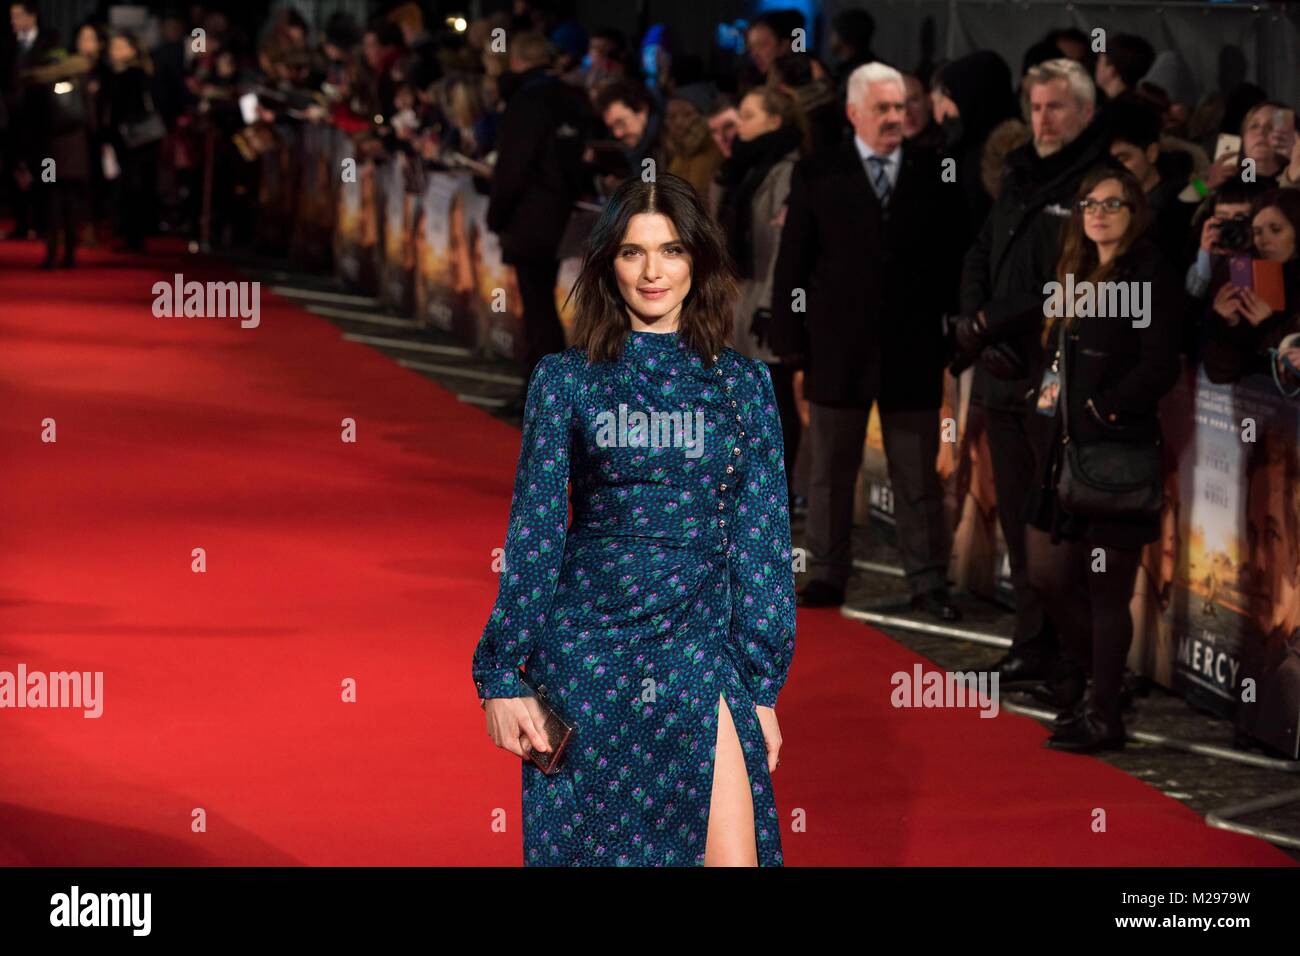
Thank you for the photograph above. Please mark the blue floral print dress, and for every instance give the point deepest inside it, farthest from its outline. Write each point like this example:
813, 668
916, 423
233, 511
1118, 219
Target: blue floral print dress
672, 586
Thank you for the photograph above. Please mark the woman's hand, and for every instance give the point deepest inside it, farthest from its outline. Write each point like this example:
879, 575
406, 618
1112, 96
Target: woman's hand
1221, 171
515, 724
771, 735
1227, 302
1253, 307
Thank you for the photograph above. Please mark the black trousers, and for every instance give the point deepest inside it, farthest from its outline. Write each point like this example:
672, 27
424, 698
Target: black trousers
791, 426
1015, 469
911, 441
136, 195
1089, 602
65, 203
543, 332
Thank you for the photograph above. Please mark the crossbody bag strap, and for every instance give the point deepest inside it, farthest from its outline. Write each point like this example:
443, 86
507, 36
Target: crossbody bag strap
1061, 348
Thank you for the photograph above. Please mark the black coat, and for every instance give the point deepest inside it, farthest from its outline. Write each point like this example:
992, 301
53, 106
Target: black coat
539, 170
124, 98
1124, 371
877, 281
1015, 254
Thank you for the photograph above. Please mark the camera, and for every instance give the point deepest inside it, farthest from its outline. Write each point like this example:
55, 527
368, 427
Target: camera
1235, 235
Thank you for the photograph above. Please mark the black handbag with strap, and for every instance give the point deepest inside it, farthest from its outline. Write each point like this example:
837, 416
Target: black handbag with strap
142, 132
1106, 479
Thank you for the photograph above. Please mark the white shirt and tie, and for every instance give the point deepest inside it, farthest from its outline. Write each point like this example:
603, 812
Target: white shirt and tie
27, 40
882, 168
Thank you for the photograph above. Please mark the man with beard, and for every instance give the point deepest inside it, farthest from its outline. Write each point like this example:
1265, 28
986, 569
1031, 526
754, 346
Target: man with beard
1003, 276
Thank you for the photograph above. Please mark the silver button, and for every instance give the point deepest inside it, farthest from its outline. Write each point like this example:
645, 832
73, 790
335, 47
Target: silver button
733, 403
735, 451
741, 435
722, 487
730, 469
721, 505
722, 522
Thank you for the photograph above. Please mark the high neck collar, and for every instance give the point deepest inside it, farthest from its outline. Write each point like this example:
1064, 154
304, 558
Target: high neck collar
641, 337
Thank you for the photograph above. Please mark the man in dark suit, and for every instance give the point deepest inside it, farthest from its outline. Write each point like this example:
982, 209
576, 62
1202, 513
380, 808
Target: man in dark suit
867, 266
29, 47
536, 180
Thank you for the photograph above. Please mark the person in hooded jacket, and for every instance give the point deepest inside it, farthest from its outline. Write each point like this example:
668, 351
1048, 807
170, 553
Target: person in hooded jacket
970, 96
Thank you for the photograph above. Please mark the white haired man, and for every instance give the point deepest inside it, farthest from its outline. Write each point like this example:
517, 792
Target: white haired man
865, 272
1003, 275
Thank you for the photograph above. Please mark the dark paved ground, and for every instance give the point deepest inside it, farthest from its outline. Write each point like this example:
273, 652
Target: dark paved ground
1204, 783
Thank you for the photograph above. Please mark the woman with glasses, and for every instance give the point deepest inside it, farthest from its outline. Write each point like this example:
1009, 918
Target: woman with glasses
1106, 386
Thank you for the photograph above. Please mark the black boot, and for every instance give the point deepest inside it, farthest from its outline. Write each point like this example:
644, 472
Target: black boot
1030, 663
1090, 732
1064, 689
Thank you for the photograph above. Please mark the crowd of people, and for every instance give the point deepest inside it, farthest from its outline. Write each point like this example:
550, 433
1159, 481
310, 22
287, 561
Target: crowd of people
886, 222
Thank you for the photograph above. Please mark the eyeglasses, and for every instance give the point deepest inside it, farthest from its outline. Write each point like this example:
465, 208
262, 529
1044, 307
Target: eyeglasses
1108, 206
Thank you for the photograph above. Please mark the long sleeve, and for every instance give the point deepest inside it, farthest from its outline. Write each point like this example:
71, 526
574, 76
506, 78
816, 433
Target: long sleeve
762, 578
535, 536
1159, 363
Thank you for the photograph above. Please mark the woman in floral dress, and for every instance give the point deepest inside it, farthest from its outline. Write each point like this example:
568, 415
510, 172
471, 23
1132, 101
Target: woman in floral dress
661, 621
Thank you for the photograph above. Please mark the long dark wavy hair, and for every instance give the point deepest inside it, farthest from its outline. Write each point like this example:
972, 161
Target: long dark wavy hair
1078, 252
602, 322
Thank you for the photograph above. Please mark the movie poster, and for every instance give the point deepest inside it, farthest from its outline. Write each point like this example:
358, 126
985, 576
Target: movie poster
318, 180
498, 301
348, 227
1268, 577
1238, 625
397, 260
446, 283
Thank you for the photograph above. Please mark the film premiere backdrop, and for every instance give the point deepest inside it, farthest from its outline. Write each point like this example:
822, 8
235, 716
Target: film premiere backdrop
1218, 596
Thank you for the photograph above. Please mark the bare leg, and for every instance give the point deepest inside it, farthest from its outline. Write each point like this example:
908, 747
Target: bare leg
730, 840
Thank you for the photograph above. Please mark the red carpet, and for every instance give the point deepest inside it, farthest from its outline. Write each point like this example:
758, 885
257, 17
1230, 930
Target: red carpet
372, 561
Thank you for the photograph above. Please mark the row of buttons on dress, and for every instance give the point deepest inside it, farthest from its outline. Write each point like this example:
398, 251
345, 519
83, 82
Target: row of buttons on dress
731, 468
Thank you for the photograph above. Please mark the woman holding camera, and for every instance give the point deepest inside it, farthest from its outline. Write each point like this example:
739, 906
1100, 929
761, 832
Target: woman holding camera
1103, 382
1246, 335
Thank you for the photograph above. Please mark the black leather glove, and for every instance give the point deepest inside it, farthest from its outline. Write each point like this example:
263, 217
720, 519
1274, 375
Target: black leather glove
1003, 361
965, 340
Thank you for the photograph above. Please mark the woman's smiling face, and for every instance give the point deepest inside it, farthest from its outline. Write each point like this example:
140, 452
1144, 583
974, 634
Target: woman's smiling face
653, 270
